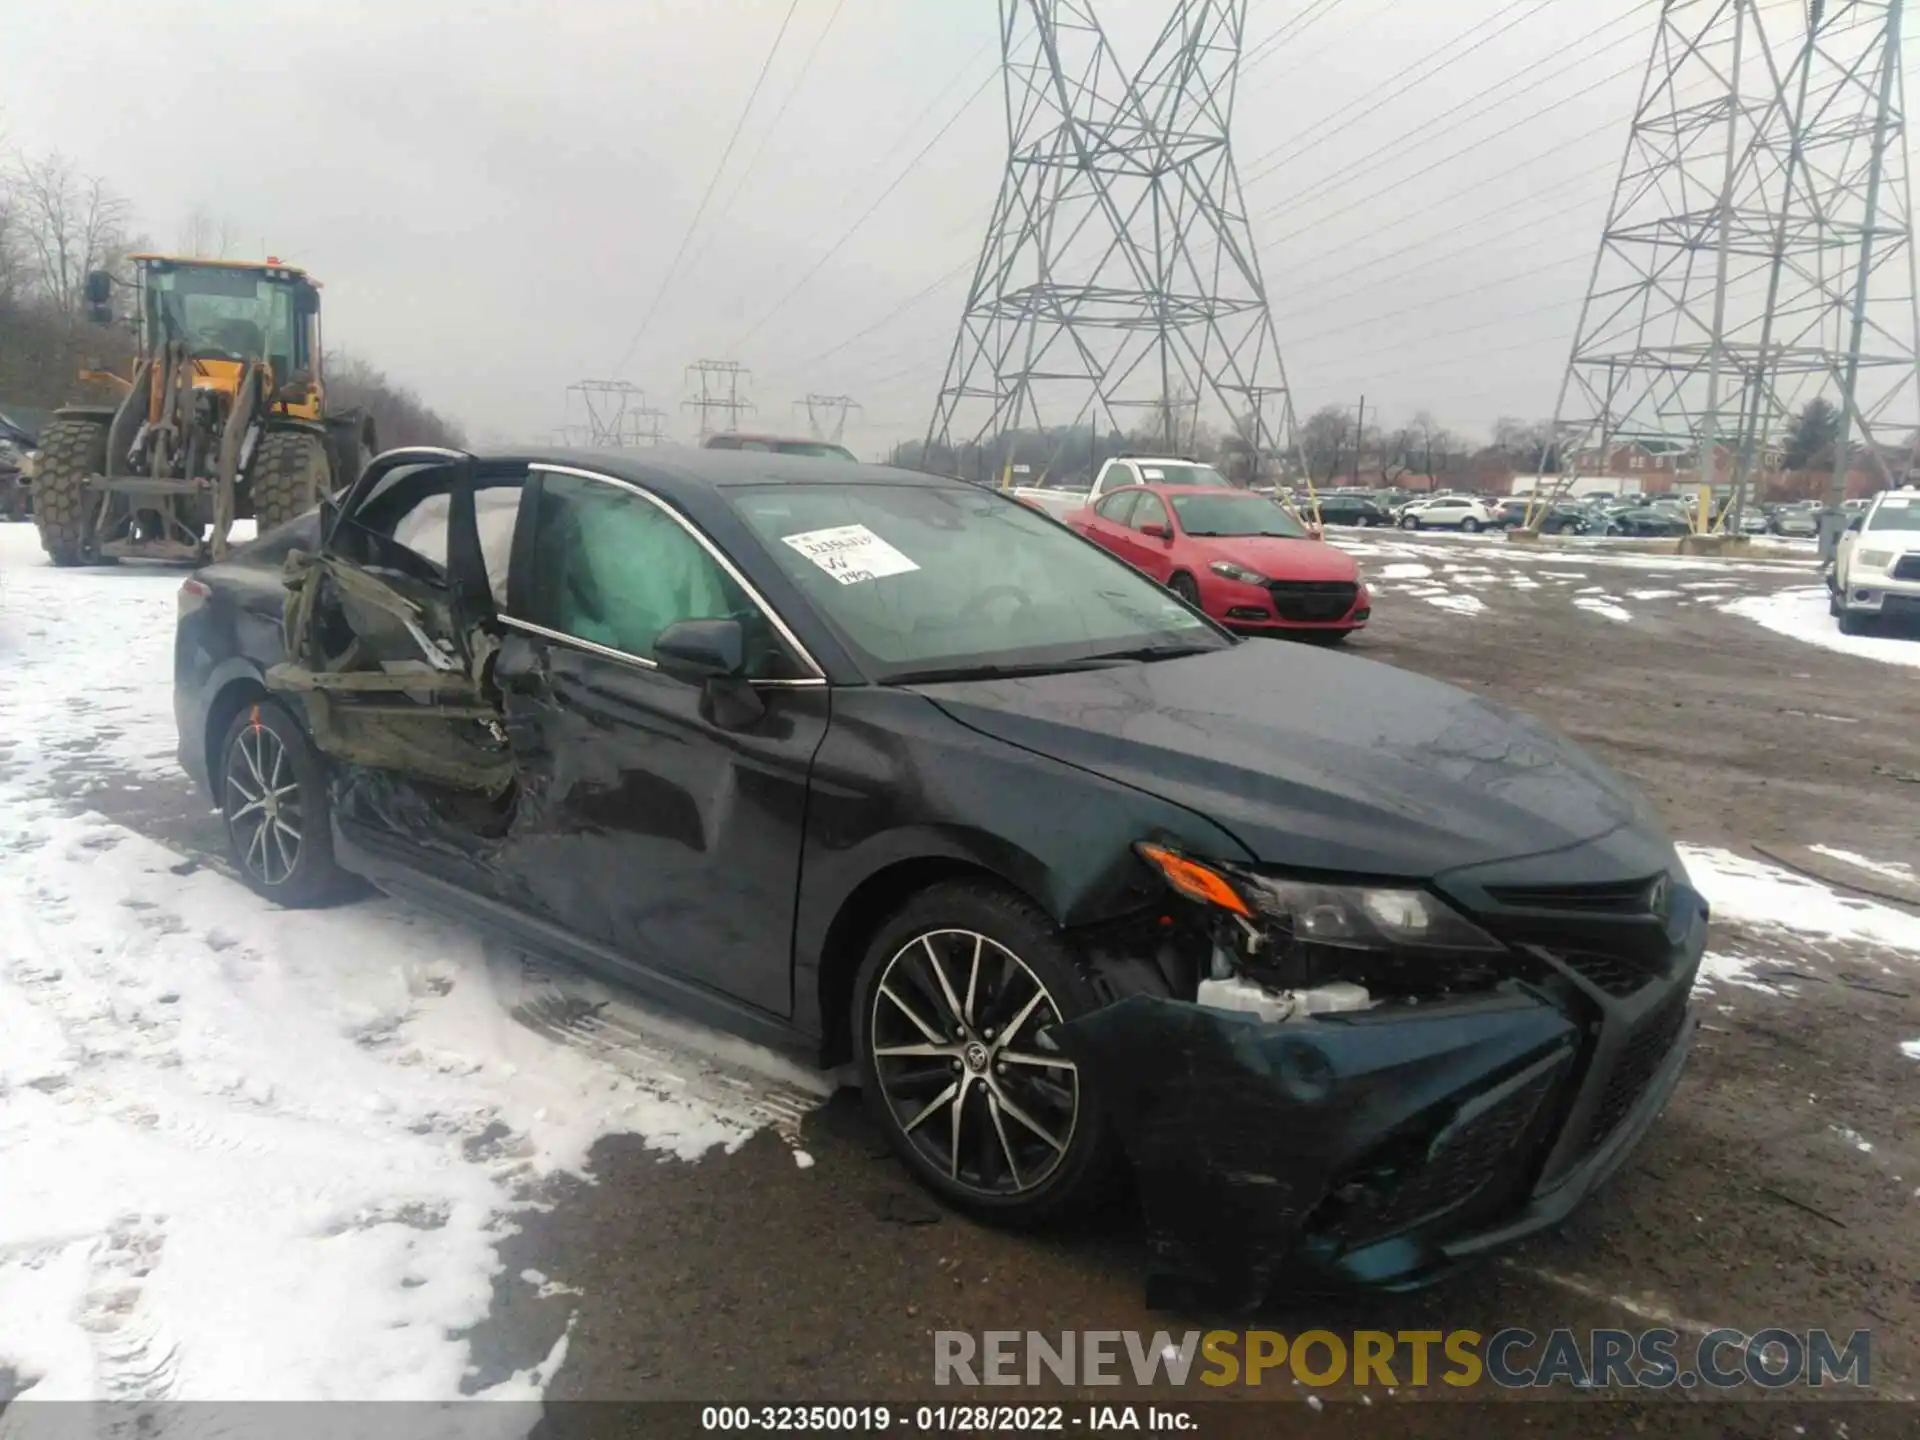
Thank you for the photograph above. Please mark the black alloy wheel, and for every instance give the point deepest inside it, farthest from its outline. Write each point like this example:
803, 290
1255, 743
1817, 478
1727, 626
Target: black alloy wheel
273, 800
954, 1005
1183, 586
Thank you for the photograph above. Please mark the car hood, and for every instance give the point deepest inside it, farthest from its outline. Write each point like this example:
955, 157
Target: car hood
1313, 759
1279, 558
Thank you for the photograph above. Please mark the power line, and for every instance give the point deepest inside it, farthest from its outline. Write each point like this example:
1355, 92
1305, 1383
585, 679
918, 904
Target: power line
1290, 29
773, 125
866, 214
1426, 132
714, 180
1327, 122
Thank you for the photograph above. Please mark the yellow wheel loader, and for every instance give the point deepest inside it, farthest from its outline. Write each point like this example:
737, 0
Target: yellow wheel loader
224, 418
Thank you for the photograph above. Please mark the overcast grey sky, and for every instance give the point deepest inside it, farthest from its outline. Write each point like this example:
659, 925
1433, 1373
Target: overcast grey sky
492, 191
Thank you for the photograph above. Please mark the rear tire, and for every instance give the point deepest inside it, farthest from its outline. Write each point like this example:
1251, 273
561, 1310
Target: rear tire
288, 477
1184, 587
273, 801
1032, 1144
70, 450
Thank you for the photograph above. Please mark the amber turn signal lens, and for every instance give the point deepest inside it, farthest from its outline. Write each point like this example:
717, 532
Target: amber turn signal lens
1192, 879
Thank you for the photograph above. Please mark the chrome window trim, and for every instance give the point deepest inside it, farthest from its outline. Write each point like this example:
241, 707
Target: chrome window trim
639, 662
819, 676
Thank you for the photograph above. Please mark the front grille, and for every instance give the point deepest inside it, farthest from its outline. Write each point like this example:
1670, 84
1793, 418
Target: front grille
1619, 975
1633, 1069
1312, 599
1908, 568
1612, 897
1462, 1161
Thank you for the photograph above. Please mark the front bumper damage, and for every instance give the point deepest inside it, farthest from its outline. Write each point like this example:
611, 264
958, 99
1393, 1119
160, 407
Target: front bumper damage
1385, 1147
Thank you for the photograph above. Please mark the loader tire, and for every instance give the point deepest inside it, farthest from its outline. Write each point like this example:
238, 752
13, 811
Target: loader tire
70, 450
288, 477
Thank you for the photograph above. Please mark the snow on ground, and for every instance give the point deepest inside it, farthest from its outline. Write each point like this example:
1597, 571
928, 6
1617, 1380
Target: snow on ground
1604, 605
1889, 869
1756, 895
1801, 614
245, 1154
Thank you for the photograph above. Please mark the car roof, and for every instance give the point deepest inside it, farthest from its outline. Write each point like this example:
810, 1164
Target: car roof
675, 470
768, 438
1161, 489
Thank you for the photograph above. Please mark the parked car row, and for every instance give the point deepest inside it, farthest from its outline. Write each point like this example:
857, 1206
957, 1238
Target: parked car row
880, 767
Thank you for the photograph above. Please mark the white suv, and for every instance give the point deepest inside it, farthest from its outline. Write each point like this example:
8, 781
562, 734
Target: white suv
1876, 569
1461, 512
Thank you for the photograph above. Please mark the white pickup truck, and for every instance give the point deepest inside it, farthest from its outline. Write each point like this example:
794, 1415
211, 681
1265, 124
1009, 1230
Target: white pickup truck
1061, 501
1876, 569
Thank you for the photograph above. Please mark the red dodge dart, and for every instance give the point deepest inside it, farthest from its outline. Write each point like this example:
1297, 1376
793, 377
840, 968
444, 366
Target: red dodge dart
1237, 556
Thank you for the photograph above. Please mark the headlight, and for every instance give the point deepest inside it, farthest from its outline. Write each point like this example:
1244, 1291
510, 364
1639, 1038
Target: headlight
1877, 559
1230, 571
1294, 932
1363, 917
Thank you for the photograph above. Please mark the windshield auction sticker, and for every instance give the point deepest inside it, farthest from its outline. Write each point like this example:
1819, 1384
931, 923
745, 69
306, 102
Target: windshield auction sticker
850, 553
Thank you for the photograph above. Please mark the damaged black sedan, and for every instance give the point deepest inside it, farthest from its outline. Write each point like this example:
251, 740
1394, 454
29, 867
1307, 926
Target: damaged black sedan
1359, 975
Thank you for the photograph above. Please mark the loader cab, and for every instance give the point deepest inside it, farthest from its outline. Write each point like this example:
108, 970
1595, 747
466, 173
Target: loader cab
230, 313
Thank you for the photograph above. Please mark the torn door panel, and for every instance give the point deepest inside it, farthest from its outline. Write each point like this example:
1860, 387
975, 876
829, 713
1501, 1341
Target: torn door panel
387, 679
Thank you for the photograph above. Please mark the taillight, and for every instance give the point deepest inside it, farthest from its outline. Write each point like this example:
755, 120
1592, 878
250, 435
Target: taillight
193, 594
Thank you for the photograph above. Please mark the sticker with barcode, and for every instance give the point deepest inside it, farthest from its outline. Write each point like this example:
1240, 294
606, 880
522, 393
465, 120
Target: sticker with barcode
850, 553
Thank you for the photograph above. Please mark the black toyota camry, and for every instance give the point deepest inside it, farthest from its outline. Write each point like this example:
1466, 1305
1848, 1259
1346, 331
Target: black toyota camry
1360, 976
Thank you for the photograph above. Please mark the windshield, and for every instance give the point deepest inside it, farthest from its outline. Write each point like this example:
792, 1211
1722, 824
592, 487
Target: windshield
924, 581
1897, 512
1175, 472
226, 314
1234, 515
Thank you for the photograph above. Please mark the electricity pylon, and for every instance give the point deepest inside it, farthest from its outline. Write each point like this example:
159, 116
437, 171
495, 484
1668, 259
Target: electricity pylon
1758, 250
614, 416
827, 415
1118, 271
717, 391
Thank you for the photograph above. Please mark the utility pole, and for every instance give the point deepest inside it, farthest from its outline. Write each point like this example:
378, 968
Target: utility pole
716, 385
1118, 272
1760, 229
1359, 441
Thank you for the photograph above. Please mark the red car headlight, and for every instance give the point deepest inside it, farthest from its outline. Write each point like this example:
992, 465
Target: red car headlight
1227, 570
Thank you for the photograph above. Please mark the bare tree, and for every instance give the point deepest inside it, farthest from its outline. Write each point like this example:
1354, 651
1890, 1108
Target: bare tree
70, 223
201, 235
1323, 441
1435, 445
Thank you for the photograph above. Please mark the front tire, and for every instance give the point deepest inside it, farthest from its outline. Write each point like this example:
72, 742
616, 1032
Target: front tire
1412, 522
288, 477
1852, 624
70, 450
1470, 525
951, 1012
1183, 586
273, 801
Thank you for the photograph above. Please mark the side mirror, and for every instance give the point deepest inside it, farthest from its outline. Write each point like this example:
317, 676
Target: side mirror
1858, 522
99, 289
701, 650
1155, 530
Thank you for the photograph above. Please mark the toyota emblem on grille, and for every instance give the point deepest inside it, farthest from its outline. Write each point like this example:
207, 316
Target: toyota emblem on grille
1658, 895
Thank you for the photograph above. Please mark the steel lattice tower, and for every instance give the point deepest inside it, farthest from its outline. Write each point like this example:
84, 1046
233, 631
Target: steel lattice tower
1758, 249
827, 414
1118, 272
616, 416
